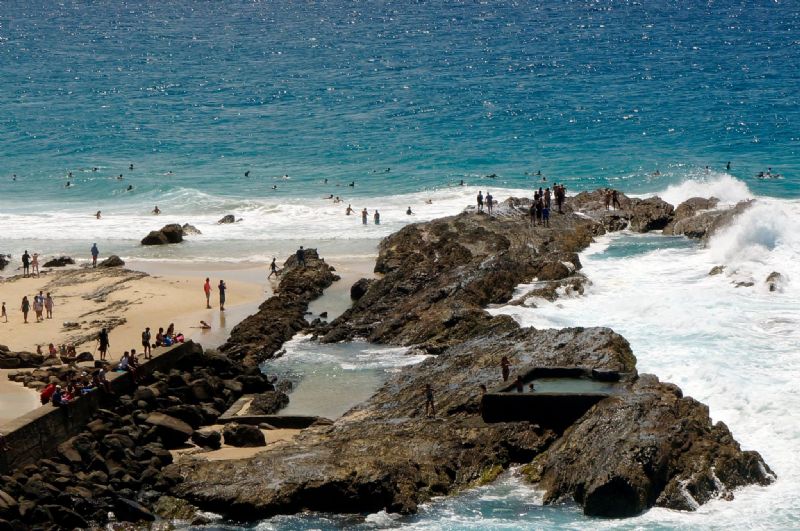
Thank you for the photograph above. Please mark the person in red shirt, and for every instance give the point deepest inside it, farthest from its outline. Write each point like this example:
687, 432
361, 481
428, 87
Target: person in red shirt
207, 289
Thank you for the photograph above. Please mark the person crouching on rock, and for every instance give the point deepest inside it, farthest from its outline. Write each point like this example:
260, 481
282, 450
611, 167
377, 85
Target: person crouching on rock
430, 408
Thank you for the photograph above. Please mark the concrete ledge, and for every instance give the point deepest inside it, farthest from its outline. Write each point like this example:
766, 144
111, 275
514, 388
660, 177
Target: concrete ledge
37, 434
294, 422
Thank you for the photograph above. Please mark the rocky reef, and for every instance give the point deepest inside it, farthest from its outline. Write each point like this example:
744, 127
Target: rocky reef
645, 446
261, 335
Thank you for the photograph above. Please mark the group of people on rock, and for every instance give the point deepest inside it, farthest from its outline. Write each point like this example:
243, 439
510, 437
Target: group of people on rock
42, 307
489, 200
611, 199
75, 386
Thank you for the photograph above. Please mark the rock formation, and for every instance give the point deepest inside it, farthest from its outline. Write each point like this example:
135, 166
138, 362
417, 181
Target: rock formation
260, 336
61, 261
647, 445
172, 233
112, 261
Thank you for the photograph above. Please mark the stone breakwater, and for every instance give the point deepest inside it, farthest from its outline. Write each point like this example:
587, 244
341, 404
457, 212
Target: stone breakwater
645, 446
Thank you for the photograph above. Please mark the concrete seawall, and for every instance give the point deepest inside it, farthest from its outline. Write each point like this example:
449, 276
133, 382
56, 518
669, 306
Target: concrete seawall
37, 434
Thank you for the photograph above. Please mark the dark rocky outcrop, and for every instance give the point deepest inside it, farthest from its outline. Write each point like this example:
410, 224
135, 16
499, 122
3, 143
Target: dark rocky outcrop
112, 261
700, 223
243, 435
20, 360
260, 336
358, 289
774, 281
61, 261
688, 209
228, 218
172, 233
4, 261
268, 403
190, 230
716, 270
628, 452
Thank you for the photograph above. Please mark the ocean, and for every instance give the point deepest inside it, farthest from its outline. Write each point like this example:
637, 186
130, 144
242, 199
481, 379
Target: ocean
262, 109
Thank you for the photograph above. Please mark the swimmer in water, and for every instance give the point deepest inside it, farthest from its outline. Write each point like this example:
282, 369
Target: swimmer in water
247, 173
97, 215
461, 183
428, 201
728, 166
120, 177
94, 169
352, 183
156, 210
274, 186
708, 170
130, 187
408, 211
326, 181
68, 184
349, 210
656, 173
329, 197
69, 174
14, 178
130, 167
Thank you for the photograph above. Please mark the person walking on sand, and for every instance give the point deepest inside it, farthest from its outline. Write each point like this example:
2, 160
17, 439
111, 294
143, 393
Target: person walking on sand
3, 313
25, 307
480, 201
48, 305
222, 287
95, 253
207, 290
26, 264
301, 257
103, 343
273, 269
430, 408
35, 264
148, 352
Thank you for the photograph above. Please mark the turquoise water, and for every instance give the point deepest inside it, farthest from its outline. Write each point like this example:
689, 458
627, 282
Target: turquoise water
592, 93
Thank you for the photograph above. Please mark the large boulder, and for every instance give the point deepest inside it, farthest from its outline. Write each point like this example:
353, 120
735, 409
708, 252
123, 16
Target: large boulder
112, 261
172, 432
269, 403
173, 233
207, 438
243, 435
156, 237
60, 261
649, 214
131, 511
688, 209
228, 218
4, 260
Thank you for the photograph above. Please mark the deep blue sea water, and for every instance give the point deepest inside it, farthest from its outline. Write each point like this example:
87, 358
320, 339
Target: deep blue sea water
406, 99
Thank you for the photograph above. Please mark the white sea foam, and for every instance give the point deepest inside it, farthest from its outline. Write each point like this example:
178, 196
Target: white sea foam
723, 186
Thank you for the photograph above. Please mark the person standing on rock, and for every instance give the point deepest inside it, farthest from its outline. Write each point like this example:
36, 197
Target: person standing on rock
103, 343
26, 264
480, 201
301, 257
505, 368
95, 253
545, 213
148, 352
222, 287
615, 200
48, 305
25, 307
430, 408
489, 200
607, 198
207, 290
273, 269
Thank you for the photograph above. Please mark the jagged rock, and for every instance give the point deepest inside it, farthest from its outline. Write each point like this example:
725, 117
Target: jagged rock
61, 261
243, 435
170, 508
112, 261
190, 230
20, 360
358, 289
688, 209
386, 455
260, 336
716, 270
269, 403
207, 438
84, 356
229, 218
774, 281
650, 214
4, 260
172, 432
8, 505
